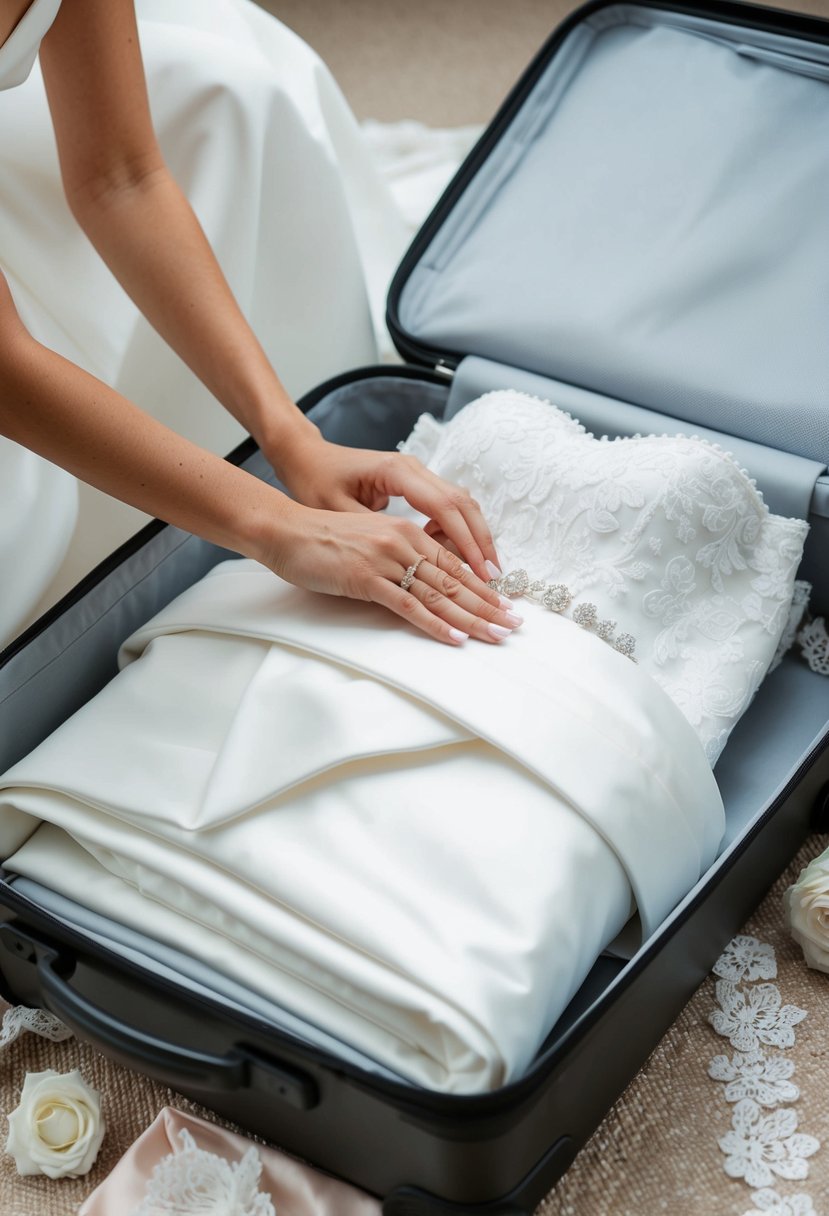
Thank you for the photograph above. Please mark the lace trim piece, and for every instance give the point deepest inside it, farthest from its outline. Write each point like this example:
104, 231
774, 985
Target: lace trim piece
763, 1143
800, 603
191, 1181
814, 643
37, 1021
769, 1203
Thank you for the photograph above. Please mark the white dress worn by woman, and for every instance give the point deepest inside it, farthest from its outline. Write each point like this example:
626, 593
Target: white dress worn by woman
262, 142
422, 850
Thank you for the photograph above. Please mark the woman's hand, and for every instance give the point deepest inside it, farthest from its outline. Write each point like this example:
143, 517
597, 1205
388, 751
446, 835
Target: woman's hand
321, 474
366, 557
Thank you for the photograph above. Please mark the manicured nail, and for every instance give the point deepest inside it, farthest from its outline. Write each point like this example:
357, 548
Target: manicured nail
458, 636
498, 631
492, 569
514, 619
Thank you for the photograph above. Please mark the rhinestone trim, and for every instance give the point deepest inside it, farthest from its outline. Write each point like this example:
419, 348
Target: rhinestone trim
558, 598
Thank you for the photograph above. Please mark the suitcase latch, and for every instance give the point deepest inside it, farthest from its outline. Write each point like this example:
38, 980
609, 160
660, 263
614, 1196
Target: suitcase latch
283, 1081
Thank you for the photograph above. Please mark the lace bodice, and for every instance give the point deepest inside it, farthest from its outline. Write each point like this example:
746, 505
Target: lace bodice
667, 534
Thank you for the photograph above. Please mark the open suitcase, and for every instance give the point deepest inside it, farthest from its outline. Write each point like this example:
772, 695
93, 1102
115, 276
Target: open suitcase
641, 236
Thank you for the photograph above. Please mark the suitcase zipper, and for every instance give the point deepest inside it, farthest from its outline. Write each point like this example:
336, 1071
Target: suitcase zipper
445, 369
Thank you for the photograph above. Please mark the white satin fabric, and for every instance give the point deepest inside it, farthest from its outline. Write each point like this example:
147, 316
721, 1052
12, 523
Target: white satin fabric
421, 850
19, 51
264, 145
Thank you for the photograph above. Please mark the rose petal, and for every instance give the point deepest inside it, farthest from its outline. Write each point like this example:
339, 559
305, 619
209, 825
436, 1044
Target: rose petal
57, 1125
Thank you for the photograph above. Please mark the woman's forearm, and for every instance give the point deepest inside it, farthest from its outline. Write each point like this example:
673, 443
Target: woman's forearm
148, 235
54, 408
121, 192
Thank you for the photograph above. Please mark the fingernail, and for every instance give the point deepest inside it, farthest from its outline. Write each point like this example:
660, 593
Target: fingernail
458, 636
505, 601
514, 619
492, 569
498, 631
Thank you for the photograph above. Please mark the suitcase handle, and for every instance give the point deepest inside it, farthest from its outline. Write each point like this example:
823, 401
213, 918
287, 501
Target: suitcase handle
179, 1067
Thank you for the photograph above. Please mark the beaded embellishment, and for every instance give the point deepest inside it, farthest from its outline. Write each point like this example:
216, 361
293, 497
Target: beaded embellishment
558, 598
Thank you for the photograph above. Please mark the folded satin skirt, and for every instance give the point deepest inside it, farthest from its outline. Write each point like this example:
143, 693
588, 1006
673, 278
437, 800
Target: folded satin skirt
421, 850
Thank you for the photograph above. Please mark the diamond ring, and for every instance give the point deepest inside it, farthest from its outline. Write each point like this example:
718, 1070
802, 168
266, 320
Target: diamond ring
409, 577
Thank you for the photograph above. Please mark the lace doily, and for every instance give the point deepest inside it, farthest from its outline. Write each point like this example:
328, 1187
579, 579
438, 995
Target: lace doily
814, 643
190, 1181
769, 1203
763, 1143
19, 1019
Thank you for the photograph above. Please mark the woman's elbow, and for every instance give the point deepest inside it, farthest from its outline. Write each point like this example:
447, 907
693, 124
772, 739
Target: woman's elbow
94, 191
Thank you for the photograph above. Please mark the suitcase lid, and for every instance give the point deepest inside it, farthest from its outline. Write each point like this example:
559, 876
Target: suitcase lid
647, 217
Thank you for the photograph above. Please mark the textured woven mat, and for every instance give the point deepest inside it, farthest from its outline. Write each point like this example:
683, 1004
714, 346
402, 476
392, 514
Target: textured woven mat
656, 1152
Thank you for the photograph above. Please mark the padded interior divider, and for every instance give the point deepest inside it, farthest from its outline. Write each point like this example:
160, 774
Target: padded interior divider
652, 226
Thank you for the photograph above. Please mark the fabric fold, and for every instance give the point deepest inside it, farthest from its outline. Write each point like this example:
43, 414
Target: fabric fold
420, 851
516, 698
294, 1188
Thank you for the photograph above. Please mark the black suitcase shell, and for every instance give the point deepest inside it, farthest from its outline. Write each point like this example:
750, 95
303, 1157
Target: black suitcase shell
422, 1152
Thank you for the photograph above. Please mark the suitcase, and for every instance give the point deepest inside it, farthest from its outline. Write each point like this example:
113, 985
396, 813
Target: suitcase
640, 236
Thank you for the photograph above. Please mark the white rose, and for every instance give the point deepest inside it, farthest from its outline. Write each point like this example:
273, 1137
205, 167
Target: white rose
807, 904
57, 1128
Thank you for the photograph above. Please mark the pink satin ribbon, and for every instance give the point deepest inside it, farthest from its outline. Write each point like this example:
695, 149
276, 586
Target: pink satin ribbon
296, 1190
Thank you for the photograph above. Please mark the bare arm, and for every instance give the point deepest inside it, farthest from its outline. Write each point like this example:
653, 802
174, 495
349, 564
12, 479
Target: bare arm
125, 199
59, 411
123, 196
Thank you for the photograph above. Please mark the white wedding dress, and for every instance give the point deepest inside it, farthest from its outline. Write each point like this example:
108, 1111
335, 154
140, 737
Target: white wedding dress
261, 140
422, 850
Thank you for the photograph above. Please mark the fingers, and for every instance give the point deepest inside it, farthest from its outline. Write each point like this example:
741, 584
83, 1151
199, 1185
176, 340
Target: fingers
365, 556
461, 519
453, 599
447, 601
407, 606
452, 508
437, 533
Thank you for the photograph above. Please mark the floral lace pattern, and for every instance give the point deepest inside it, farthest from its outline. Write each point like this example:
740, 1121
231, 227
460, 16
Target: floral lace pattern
760, 1145
769, 1203
814, 643
192, 1180
800, 605
764, 1079
757, 1016
763, 1142
667, 532
18, 1019
744, 958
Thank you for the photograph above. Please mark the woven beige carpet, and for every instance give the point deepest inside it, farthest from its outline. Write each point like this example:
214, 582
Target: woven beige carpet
656, 1152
